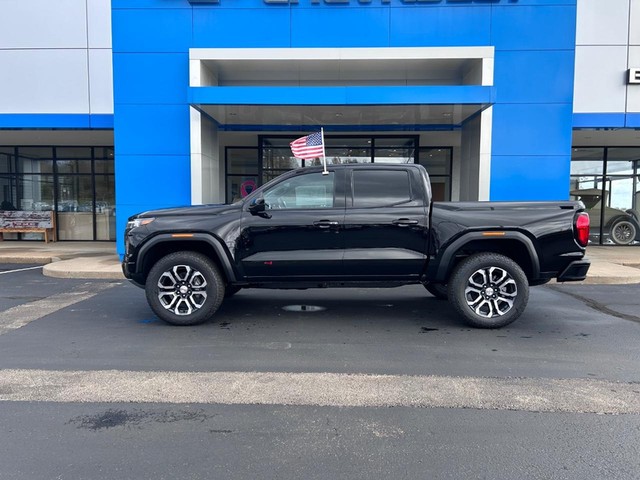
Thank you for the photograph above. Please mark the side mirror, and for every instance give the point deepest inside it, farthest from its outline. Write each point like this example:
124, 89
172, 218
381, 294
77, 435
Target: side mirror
259, 207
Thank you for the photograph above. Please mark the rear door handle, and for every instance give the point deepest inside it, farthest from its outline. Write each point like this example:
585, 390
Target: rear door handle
325, 223
404, 222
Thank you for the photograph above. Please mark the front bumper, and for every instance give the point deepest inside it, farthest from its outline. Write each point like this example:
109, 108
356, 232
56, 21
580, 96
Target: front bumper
576, 271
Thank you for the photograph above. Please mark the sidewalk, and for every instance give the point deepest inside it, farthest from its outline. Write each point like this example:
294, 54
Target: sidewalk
98, 260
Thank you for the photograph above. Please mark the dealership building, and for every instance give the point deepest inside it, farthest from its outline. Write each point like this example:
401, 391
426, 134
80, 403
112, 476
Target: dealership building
109, 108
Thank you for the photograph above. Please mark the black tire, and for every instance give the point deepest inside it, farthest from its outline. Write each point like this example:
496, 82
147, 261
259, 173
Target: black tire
623, 232
230, 291
184, 288
438, 290
489, 290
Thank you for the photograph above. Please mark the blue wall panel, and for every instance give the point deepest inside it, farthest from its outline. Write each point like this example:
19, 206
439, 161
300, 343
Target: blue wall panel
141, 81
531, 129
534, 76
343, 27
516, 27
530, 177
241, 28
145, 182
164, 178
440, 26
152, 130
151, 30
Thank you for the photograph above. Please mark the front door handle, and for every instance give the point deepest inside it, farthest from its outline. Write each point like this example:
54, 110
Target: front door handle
404, 222
325, 223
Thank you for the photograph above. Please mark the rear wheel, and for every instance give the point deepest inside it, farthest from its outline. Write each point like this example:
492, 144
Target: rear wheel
230, 291
489, 290
184, 288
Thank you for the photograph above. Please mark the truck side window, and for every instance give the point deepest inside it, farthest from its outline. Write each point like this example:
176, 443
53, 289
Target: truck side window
379, 188
312, 190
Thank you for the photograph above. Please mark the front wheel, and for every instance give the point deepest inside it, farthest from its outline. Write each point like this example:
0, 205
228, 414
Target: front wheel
438, 290
184, 288
489, 290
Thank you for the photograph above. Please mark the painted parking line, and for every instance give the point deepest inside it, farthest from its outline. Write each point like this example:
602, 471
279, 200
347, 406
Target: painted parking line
322, 389
21, 315
21, 269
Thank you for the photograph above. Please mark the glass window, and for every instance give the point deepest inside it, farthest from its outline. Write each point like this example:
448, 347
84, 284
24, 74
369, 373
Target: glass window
68, 153
104, 166
7, 164
239, 186
313, 190
343, 155
75, 207
437, 161
279, 159
374, 188
587, 153
73, 166
36, 192
8, 193
242, 161
623, 153
105, 208
394, 155
587, 167
103, 152
36, 153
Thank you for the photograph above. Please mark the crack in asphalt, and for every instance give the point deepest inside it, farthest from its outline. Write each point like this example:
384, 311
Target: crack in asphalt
596, 305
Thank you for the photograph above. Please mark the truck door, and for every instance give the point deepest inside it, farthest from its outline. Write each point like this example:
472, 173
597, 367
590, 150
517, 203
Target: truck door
298, 236
386, 224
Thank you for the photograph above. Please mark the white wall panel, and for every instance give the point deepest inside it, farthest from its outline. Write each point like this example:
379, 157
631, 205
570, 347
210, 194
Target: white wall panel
44, 81
600, 79
633, 90
101, 81
43, 24
634, 22
602, 22
99, 23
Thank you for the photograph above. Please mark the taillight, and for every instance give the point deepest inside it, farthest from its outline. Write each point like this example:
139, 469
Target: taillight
582, 229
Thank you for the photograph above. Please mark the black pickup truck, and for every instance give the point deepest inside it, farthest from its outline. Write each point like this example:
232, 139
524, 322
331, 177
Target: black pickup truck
358, 225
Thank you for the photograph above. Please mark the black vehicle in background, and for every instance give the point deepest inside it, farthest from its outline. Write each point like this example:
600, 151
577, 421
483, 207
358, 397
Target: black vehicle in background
359, 225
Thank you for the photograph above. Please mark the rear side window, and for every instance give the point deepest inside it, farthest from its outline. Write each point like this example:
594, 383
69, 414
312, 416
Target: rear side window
379, 188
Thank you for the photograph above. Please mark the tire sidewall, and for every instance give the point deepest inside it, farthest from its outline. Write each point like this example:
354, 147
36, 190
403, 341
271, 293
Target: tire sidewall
214, 288
463, 272
438, 290
616, 225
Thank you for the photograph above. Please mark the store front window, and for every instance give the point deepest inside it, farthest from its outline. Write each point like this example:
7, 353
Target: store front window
249, 167
77, 183
607, 180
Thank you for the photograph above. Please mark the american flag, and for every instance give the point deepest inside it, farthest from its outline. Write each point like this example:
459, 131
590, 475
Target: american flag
308, 147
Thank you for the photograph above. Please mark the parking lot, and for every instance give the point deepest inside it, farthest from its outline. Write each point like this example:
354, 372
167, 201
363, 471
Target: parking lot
360, 383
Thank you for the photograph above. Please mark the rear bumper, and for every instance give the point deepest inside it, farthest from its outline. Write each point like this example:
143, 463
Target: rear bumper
576, 271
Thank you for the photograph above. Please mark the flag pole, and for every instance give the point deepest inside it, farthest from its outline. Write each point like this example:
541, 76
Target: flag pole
324, 155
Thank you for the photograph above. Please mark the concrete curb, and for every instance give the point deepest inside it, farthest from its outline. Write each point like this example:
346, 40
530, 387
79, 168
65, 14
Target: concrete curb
106, 267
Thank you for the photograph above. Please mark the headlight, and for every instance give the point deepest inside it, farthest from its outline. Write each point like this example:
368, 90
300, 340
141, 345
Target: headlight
138, 222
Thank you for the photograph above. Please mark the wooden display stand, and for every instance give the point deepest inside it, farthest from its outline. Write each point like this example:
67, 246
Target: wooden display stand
22, 221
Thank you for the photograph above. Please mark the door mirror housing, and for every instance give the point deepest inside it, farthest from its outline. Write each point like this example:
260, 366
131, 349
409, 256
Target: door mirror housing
259, 207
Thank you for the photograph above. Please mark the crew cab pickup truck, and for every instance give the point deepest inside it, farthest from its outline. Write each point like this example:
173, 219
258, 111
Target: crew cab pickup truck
371, 225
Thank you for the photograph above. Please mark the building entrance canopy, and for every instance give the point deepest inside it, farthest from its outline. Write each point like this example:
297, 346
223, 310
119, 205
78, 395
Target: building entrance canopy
340, 117
406, 88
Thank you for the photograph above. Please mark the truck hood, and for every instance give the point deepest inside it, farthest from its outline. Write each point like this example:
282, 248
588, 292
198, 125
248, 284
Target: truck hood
213, 209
